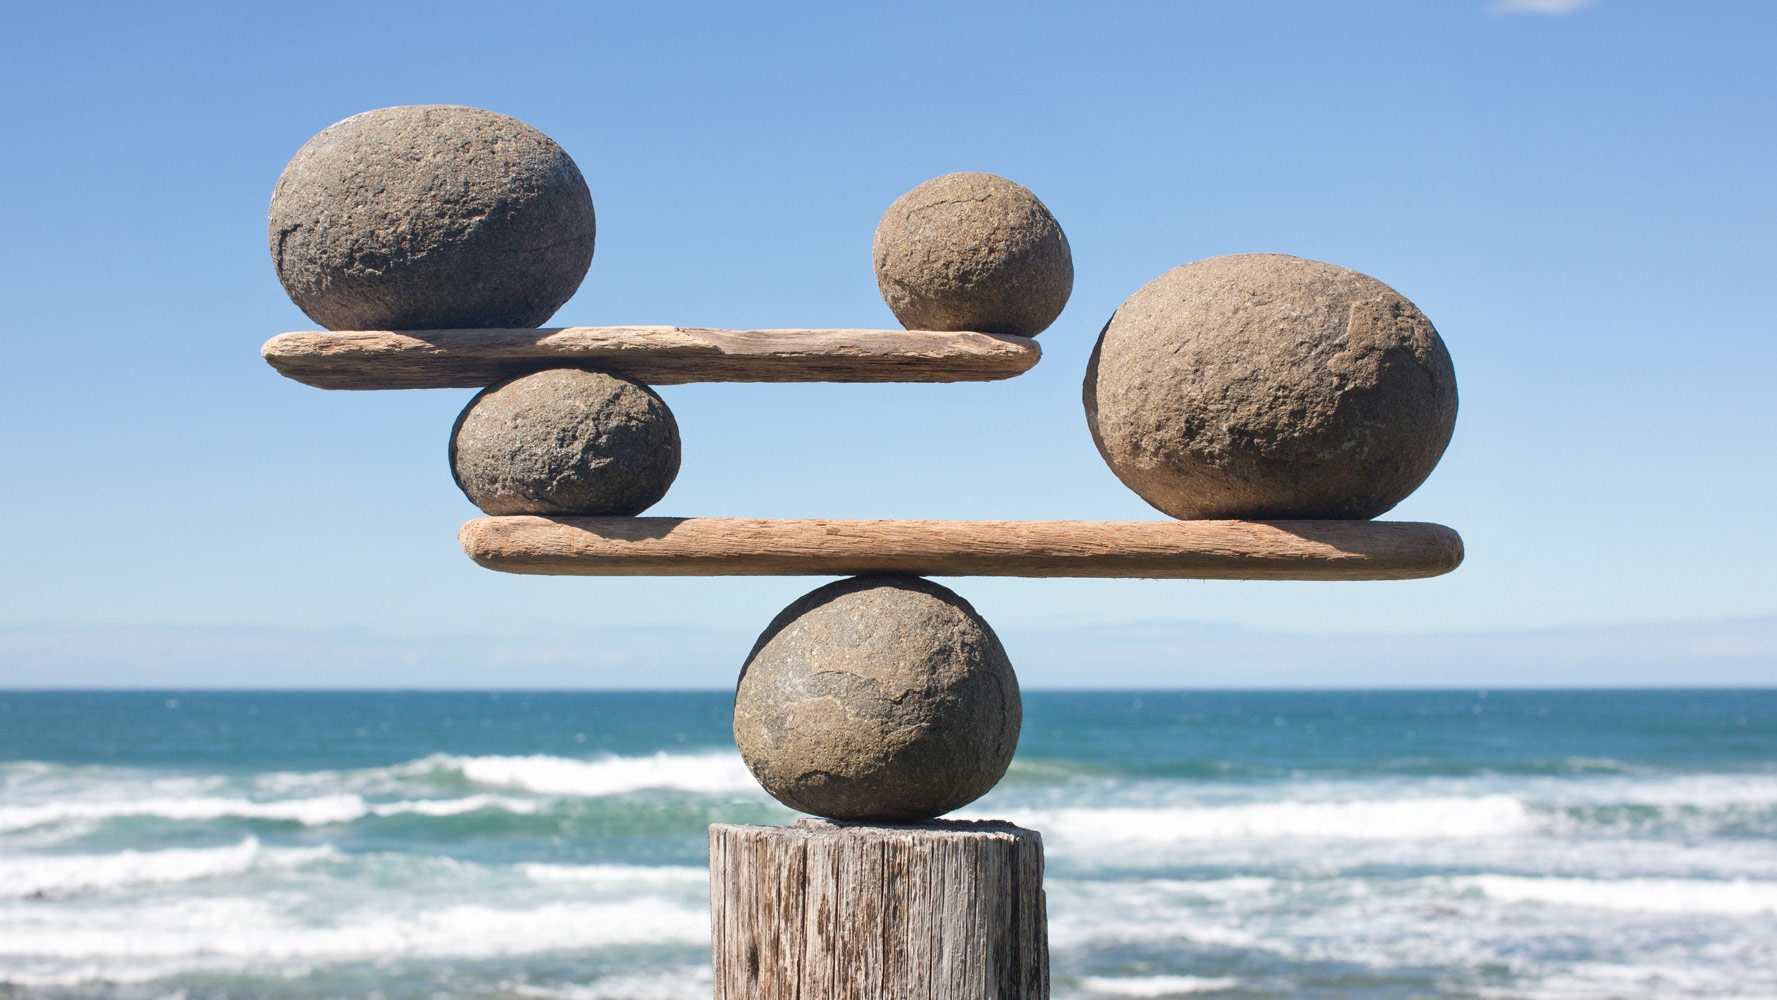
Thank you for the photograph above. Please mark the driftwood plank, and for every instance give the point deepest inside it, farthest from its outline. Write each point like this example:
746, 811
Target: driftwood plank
827, 911
726, 546
655, 355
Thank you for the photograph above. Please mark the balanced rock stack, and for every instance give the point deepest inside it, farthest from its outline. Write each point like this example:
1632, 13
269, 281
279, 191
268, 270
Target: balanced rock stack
433, 242
440, 217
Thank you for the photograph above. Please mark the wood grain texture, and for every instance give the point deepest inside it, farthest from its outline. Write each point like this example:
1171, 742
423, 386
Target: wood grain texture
654, 355
826, 911
1205, 550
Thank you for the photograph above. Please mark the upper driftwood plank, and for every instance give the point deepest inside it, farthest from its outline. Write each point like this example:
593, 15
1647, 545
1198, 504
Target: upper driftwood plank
655, 355
731, 546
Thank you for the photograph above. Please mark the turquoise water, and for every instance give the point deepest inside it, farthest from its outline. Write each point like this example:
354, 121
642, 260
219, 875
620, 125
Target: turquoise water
408, 845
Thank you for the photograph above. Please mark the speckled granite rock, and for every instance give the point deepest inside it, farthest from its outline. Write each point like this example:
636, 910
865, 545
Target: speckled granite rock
881, 698
430, 217
1266, 386
565, 442
973, 251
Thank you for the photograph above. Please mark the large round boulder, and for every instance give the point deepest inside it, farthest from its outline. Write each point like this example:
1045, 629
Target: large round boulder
882, 698
1265, 386
431, 217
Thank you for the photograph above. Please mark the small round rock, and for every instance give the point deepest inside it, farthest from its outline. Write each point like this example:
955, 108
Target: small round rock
431, 217
1268, 386
973, 251
882, 698
565, 441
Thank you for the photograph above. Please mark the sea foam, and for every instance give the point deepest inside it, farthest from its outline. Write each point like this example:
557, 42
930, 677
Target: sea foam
606, 875
316, 811
711, 773
1157, 986
1386, 819
1739, 897
321, 810
131, 943
686, 983
62, 874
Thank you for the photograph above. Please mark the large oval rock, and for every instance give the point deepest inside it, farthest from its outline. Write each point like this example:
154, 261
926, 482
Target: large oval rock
881, 698
431, 217
1268, 386
565, 442
976, 252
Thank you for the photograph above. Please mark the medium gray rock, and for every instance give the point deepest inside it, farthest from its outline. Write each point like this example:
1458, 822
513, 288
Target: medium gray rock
565, 442
431, 217
1267, 386
973, 252
881, 698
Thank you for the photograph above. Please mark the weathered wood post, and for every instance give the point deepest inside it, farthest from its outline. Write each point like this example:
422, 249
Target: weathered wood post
941, 910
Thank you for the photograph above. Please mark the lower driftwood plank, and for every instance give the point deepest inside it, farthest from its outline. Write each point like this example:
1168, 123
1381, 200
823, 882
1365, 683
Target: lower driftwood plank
729, 546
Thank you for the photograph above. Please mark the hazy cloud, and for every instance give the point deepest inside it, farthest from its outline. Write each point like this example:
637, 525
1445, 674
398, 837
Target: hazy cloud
1551, 7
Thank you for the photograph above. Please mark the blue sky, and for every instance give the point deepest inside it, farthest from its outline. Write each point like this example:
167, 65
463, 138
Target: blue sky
1579, 195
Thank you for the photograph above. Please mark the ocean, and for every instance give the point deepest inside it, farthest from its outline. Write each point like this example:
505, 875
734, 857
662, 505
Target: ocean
1501, 844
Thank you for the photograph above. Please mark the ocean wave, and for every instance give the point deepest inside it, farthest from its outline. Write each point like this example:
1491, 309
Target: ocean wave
716, 772
1156, 986
688, 983
317, 811
1636, 981
1672, 791
446, 785
1168, 900
63, 874
322, 810
137, 943
1218, 889
1739, 897
652, 875
1716, 934
1387, 819
456, 807
1171, 928
711, 773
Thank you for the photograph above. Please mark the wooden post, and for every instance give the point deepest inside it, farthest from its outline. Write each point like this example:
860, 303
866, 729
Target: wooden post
943, 910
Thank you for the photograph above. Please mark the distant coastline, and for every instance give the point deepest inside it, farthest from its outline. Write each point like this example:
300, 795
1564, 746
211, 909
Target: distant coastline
1134, 655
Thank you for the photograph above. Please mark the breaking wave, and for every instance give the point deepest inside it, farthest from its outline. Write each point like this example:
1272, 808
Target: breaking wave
705, 773
321, 810
142, 942
1400, 819
533, 779
62, 874
1738, 897
1157, 986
